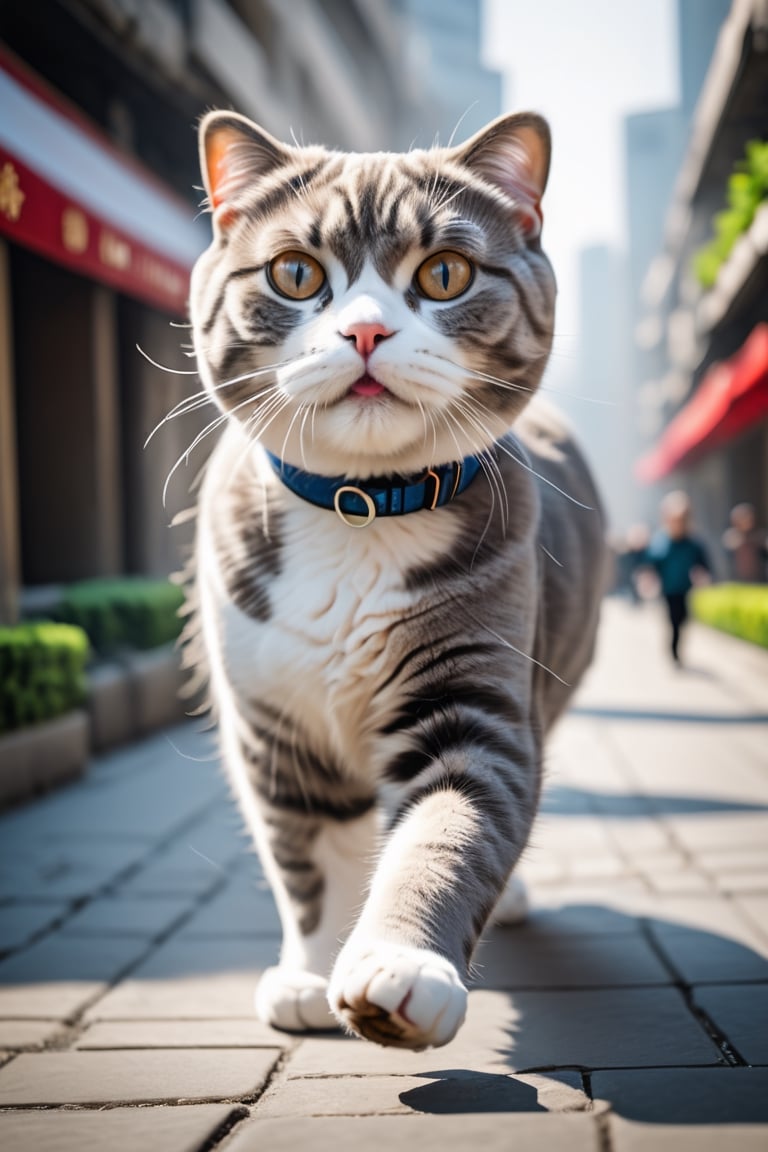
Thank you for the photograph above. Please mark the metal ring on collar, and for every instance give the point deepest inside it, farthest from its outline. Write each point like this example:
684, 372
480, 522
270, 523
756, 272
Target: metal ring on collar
349, 518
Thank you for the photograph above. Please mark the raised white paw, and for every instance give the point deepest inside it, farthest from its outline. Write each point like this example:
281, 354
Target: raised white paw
512, 906
294, 1001
397, 995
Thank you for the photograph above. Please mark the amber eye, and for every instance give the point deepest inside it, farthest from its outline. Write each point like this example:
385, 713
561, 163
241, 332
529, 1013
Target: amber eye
444, 276
296, 275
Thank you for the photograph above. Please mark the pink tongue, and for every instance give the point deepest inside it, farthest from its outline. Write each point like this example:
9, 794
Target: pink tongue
367, 387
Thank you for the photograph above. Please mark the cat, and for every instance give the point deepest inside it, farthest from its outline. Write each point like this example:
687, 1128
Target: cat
399, 560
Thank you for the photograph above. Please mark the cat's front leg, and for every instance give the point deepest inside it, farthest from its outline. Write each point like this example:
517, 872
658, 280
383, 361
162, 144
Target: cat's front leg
400, 978
316, 866
315, 833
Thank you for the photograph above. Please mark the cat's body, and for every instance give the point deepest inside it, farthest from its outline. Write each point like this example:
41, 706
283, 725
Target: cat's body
383, 691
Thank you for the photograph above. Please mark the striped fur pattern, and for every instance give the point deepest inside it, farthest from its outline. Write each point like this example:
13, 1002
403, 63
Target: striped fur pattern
383, 694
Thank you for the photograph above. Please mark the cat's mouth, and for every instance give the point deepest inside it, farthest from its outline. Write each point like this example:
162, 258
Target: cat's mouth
367, 386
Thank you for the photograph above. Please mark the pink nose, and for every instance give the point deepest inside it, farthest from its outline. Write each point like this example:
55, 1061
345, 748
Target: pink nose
366, 336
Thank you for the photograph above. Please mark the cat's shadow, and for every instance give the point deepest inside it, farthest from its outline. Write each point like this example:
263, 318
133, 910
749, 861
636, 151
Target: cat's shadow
461, 1091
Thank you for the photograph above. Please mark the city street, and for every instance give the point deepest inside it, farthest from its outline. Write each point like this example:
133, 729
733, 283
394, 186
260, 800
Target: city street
629, 1014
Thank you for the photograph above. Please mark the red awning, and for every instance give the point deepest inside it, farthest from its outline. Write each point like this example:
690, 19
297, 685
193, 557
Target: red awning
69, 194
732, 396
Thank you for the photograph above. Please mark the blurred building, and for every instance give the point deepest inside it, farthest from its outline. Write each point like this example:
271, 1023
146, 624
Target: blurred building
705, 401
451, 93
99, 228
602, 361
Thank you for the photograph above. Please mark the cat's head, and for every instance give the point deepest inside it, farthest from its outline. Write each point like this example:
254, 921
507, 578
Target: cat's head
373, 313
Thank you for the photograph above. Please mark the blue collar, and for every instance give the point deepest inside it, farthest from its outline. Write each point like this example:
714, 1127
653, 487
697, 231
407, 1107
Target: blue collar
358, 502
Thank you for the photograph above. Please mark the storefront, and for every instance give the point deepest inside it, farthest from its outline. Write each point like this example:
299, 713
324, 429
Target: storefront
95, 257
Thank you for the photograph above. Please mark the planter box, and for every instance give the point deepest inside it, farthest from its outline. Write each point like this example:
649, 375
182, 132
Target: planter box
155, 679
133, 695
35, 758
110, 706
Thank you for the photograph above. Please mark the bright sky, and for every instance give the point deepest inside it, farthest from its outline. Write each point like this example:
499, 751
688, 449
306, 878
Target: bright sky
584, 64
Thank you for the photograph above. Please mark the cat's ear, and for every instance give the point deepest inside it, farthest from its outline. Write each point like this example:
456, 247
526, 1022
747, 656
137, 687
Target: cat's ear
234, 153
513, 153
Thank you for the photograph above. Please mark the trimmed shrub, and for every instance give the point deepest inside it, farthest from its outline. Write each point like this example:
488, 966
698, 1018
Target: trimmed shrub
42, 672
129, 612
741, 609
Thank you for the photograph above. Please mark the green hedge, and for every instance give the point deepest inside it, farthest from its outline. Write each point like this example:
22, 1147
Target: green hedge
129, 612
741, 609
42, 672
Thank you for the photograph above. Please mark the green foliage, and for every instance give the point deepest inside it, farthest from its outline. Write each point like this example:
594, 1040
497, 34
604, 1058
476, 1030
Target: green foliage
741, 609
42, 672
129, 612
747, 188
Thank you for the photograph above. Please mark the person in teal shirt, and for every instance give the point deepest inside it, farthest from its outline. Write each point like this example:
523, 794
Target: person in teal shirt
680, 561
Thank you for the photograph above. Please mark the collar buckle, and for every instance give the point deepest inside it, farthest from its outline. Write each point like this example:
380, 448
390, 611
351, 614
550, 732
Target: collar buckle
350, 518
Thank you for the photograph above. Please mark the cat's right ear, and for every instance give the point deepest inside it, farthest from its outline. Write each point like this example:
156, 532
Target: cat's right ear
234, 153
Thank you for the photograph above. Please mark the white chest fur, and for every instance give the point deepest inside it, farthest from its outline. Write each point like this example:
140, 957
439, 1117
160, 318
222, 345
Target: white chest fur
320, 657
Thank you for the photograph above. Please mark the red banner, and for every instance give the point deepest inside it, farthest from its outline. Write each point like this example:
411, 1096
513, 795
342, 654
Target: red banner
41, 217
731, 398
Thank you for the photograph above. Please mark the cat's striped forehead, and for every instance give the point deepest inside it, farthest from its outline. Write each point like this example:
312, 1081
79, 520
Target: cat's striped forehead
375, 207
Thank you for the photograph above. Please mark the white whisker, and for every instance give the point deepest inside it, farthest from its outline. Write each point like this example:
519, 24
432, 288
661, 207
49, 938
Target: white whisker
520, 652
551, 557
164, 367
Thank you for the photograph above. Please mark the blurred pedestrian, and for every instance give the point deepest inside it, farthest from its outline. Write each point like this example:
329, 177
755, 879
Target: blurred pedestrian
680, 561
630, 553
745, 546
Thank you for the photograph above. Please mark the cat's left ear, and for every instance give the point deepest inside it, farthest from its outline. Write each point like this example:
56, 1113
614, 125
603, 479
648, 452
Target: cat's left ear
235, 153
513, 153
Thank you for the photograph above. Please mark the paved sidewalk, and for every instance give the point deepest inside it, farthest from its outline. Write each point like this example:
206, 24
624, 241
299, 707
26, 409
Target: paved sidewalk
629, 1014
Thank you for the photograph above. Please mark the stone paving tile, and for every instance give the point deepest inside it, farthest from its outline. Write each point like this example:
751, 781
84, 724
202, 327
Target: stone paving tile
720, 830
628, 1136
184, 979
575, 836
734, 882
56, 977
686, 1095
435, 1092
622, 896
741, 1014
679, 883
181, 1129
493, 1132
126, 916
194, 863
734, 860
542, 868
701, 957
157, 881
708, 780
615, 1028
245, 907
640, 837
717, 914
755, 909
526, 958
147, 807
602, 867
27, 1033
71, 870
154, 1076
19, 923
246, 1033
662, 861
562, 921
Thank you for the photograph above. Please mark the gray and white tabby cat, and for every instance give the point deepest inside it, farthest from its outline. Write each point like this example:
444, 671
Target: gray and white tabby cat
395, 594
